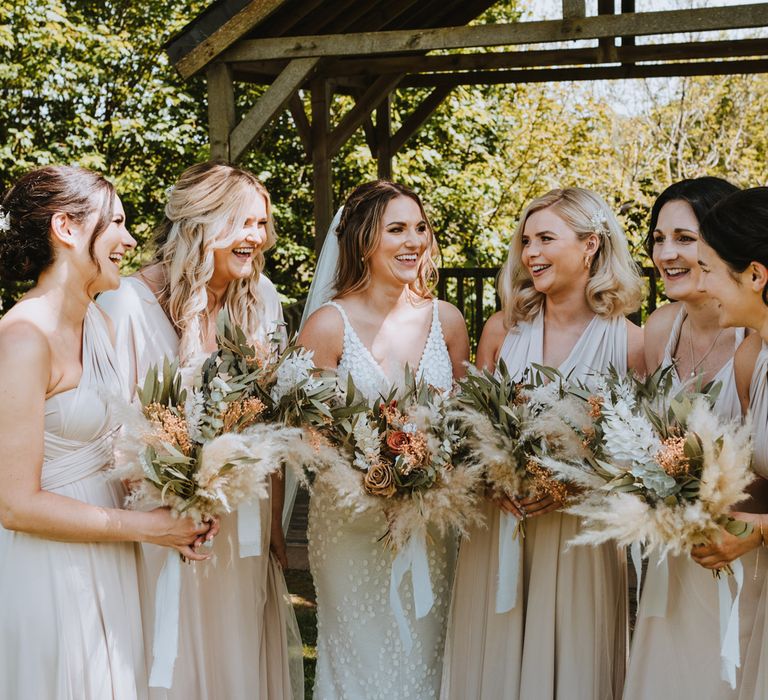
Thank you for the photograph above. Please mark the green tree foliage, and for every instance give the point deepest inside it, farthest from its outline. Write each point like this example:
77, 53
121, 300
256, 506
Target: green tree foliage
87, 82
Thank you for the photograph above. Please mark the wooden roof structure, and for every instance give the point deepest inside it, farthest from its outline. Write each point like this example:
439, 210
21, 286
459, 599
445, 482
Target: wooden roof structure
370, 48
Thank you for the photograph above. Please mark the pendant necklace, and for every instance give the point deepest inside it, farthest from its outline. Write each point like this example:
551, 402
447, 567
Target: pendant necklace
695, 365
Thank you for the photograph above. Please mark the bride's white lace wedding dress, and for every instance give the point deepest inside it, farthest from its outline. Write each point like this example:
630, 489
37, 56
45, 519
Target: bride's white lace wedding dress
359, 651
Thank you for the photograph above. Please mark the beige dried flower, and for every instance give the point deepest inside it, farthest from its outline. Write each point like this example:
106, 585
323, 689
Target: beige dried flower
671, 457
379, 480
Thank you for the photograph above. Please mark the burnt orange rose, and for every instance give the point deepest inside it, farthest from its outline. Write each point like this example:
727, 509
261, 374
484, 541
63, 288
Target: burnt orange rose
379, 480
397, 441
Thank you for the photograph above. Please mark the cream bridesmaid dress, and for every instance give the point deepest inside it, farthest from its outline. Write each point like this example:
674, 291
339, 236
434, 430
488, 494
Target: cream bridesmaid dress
70, 622
360, 655
754, 667
236, 622
566, 636
676, 644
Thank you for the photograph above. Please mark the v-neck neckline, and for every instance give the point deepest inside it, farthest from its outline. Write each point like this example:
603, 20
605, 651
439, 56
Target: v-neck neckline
582, 339
369, 353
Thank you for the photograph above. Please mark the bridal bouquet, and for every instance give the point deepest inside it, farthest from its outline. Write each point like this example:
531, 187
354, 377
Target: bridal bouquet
662, 468
399, 454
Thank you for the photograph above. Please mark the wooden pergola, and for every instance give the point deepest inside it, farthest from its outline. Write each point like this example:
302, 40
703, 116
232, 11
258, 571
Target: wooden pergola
367, 49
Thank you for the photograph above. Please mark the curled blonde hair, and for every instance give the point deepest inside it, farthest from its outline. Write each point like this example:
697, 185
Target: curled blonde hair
359, 233
205, 209
615, 286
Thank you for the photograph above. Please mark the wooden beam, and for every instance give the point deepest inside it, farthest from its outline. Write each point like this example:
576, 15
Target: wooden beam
221, 109
301, 122
416, 119
409, 40
547, 75
225, 36
271, 103
368, 67
370, 99
573, 9
321, 160
384, 139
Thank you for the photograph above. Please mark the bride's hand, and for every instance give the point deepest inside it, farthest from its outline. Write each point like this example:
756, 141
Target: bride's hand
207, 538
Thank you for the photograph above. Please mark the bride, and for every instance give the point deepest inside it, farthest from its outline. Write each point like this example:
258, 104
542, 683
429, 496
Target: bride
382, 317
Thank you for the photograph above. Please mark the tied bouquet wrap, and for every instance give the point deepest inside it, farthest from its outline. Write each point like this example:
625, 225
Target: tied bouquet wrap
204, 439
397, 455
511, 427
662, 475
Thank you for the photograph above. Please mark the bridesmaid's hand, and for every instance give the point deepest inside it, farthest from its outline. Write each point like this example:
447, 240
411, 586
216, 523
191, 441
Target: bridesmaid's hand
213, 530
508, 505
534, 506
717, 555
180, 533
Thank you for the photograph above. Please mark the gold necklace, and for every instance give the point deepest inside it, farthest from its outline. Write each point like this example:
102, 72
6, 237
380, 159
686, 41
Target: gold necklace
695, 365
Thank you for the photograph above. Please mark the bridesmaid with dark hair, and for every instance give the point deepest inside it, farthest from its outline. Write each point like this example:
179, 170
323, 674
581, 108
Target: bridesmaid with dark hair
678, 622
733, 255
70, 626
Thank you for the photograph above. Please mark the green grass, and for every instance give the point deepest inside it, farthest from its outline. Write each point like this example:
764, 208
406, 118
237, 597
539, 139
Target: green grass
303, 597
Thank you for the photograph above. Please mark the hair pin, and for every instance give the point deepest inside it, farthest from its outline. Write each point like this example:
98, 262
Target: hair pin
5, 220
599, 223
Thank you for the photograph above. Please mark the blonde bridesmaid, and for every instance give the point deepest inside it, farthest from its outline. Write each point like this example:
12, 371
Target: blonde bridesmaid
567, 284
235, 618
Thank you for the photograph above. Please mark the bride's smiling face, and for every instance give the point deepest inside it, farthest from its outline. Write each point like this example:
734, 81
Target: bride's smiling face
404, 239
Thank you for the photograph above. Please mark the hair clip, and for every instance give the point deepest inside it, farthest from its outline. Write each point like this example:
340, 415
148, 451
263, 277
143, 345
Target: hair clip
169, 191
599, 223
5, 220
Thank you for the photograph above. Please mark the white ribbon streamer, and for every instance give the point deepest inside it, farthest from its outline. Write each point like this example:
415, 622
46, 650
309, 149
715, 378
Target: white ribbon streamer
509, 563
413, 558
165, 647
249, 529
636, 552
656, 590
729, 624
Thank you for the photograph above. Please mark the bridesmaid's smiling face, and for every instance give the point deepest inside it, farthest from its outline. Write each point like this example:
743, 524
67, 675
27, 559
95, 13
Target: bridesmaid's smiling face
674, 250
109, 248
235, 260
404, 238
738, 294
553, 254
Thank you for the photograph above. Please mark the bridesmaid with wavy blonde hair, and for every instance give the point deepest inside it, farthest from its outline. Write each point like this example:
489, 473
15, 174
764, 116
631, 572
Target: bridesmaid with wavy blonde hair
234, 621
545, 621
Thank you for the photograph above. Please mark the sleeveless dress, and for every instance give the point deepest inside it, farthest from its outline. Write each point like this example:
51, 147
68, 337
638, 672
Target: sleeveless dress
566, 636
675, 651
235, 615
70, 625
359, 652
754, 668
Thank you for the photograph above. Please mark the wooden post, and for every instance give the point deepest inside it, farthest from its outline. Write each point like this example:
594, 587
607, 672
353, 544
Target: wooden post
321, 160
574, 9
384, 139
221, 109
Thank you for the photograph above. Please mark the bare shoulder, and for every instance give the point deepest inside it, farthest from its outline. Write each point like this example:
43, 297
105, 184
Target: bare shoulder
21, 337
659, 324
635, 348
451, 319
323, 333
491, 340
